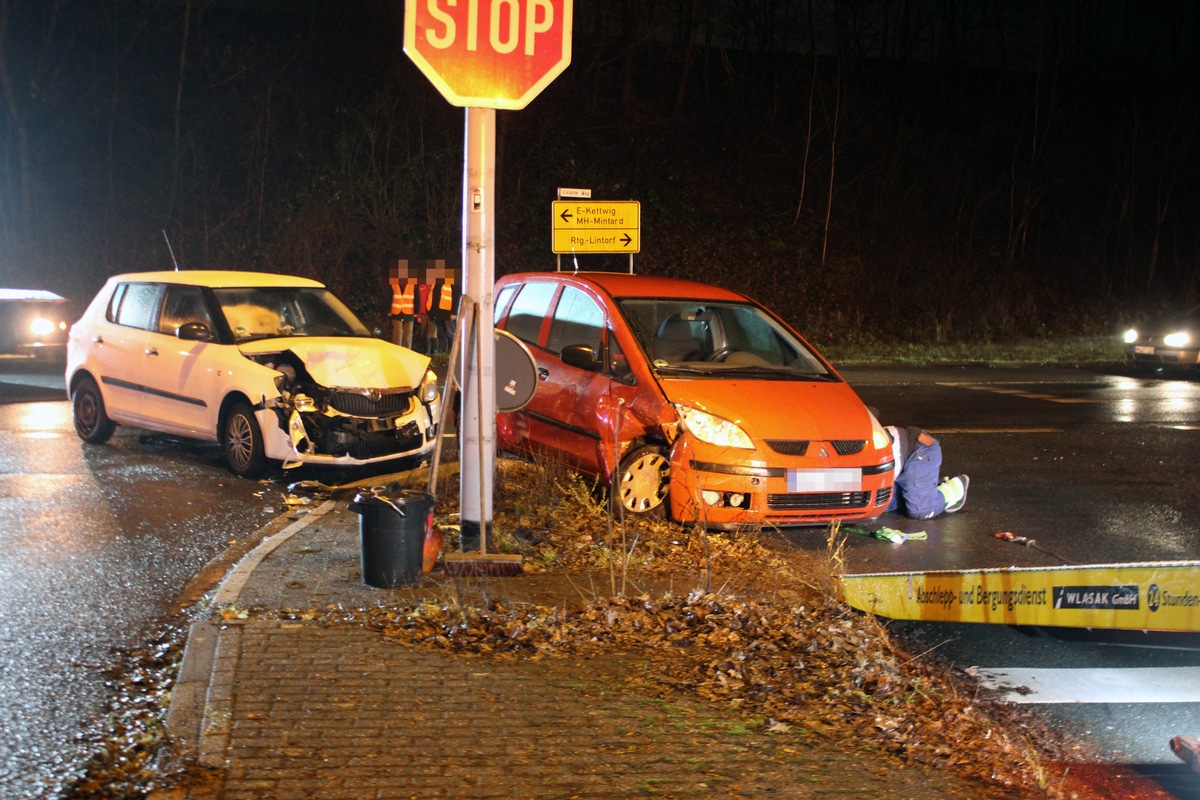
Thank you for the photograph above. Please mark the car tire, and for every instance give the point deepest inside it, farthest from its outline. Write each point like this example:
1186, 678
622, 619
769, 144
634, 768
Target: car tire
643, 483
87, 407
243, 442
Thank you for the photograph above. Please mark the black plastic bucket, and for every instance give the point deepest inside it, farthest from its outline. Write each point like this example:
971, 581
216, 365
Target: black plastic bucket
392, 528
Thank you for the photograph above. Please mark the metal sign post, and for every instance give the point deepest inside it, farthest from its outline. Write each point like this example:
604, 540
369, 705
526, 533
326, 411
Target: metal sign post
483, 55
477, 417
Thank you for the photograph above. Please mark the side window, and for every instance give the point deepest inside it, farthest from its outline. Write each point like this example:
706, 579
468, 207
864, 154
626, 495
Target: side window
138, 305
501, 303
618, 364
183, 304
577, 320
114, 302
528, 310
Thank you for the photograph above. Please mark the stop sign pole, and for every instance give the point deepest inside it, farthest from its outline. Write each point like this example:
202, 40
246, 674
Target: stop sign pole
483, 55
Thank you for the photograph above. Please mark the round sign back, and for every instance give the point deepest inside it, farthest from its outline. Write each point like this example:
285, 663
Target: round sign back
516, 372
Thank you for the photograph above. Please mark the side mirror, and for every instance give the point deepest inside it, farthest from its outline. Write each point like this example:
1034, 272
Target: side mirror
582, 357
194, 332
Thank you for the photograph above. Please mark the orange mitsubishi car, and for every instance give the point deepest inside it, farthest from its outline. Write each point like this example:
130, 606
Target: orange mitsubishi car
690, 400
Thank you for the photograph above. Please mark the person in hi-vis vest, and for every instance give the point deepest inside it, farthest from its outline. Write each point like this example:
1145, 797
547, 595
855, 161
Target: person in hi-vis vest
403, 311
442, 308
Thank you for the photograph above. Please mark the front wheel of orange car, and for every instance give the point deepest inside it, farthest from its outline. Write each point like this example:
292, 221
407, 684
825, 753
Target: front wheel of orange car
243, 442
643, 481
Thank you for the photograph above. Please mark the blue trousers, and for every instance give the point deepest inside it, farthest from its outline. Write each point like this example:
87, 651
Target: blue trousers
916, 494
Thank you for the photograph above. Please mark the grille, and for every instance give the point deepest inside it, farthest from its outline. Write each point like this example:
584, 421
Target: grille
799, 447
811, 501
789, 447
883, 496
388, 405
377, 448
848, 447
376, 444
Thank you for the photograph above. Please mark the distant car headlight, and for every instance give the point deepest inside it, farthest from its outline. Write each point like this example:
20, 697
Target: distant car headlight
40, 326
711, 429
428, 391
1177, 339
1131, 336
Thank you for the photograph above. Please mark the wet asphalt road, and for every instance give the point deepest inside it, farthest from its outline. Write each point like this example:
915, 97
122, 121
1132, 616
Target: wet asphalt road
96, 542
1097, 465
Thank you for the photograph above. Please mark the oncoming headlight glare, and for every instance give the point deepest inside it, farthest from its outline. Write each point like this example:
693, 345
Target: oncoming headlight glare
40, 326
1131, 336
1177, 339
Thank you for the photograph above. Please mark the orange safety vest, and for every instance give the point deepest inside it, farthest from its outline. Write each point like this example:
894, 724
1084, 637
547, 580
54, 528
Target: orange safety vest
446, 297
402, 299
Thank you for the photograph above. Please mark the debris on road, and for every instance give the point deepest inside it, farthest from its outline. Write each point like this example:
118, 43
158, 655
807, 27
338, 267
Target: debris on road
889, 534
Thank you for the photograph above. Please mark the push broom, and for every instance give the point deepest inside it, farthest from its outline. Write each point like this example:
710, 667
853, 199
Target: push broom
483, 563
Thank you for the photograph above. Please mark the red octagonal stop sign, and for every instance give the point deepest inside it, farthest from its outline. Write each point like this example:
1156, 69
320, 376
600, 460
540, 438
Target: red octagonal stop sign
489, 53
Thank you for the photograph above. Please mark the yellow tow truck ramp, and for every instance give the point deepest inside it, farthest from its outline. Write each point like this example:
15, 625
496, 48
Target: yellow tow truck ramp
1158, 596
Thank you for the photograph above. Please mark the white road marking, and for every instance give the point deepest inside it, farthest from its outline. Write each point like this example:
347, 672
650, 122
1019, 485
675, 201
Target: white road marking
1025, 393
995, 430
1136, 685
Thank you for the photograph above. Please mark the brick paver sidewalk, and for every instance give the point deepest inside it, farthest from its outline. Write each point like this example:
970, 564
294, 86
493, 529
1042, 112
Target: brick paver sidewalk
297, 710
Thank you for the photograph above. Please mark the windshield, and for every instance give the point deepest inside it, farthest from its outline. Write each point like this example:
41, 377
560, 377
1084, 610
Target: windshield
263, 312
707, 337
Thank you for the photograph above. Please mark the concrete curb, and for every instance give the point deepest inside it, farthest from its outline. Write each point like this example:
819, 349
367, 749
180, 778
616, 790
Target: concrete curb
198, 716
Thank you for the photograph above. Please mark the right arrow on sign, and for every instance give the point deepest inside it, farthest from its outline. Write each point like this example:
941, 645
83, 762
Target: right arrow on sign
596, 226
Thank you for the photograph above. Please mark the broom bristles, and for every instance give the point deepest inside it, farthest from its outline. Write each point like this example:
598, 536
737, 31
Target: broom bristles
480, 565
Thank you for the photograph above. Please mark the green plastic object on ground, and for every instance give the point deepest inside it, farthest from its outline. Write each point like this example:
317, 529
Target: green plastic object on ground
889, 534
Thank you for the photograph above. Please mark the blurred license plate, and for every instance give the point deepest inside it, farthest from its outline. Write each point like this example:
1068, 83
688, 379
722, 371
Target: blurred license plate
824, 480
1144, 349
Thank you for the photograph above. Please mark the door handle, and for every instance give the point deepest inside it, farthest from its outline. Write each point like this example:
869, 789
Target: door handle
151, 351
543, 374
97, 339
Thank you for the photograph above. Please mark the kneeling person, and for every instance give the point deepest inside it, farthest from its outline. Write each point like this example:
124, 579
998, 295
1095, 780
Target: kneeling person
917, 493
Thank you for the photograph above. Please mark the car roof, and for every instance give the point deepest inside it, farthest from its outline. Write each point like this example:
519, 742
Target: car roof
31, 294
217, 279
622, 284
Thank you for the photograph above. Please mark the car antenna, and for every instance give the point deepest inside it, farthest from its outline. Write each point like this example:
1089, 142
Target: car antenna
170, 249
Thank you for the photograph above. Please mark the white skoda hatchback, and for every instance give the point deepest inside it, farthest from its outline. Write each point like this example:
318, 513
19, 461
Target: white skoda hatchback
273, 367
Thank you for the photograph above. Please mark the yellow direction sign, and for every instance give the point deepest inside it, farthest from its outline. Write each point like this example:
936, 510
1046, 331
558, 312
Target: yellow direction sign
597, 226
1162, 596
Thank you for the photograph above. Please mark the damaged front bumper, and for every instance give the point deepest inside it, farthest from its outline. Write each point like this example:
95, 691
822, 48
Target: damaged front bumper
342, 428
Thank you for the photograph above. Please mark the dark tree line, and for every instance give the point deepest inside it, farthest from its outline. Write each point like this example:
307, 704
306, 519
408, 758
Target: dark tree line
916, 169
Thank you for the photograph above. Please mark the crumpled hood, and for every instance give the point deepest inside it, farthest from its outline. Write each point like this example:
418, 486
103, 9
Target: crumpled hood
813, 410
349, 363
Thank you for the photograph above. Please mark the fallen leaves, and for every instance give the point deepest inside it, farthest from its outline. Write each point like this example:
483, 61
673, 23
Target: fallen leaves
763, 639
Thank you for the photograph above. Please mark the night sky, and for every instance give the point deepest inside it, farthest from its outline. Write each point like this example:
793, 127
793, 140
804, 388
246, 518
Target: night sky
932, 170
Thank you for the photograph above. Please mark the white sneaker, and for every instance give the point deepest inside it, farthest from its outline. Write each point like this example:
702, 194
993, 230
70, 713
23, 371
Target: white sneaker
963, 482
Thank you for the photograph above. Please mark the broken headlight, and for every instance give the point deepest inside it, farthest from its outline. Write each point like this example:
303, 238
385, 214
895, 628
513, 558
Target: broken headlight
428, 390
